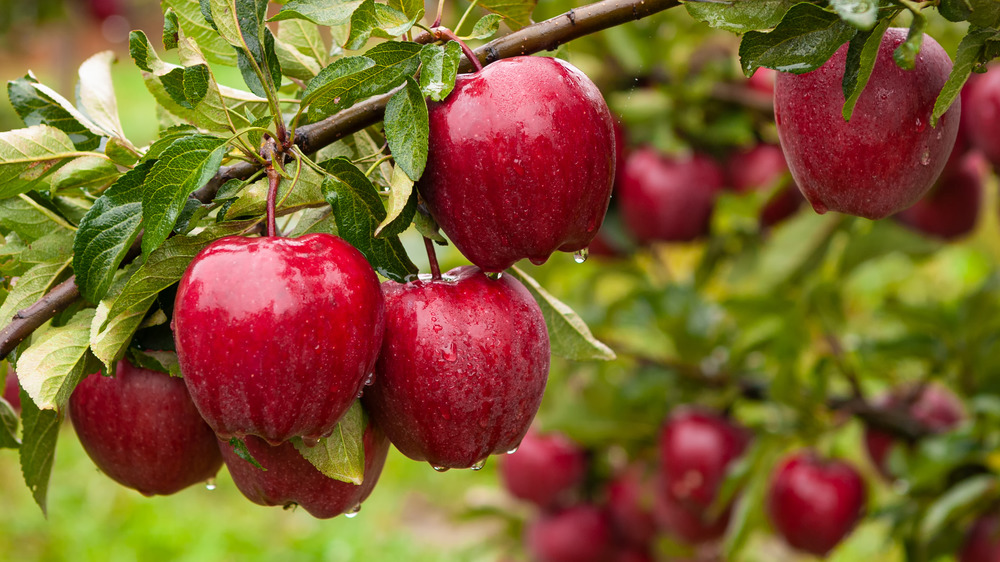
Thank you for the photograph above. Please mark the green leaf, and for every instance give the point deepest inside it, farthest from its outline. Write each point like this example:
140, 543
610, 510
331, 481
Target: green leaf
171, 29
109, 342
192, 23
861, 55
56, 246
27, 218
407, 129
740, 16
96, 94
107, 232
321, 12
358, 211
160, 361
379, 20
50, 369
38, 448
805, 39
240, 448
36, 104
28, 156
410, 8
32, 286
182, 168
305, 37
955, 10
516, 12
862, 14
970, 53
295, 63
241, 22
438, 69
342, 455
8, 426
569, 336
306, 192
402, 205
90, 173
905, 54
984, 13
485, 28
943, 514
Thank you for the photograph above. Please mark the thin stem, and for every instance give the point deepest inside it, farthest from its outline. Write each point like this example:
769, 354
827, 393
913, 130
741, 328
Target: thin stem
432, 258
376, 164
437, 19
465, 15
273, 179
445, 33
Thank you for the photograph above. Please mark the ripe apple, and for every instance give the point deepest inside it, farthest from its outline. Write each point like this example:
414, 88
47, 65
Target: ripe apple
760, 168
275, 336
982, 540
668, 199
545, 469
763, 80
936, 408
462, 369
521, 162
950, 209
984, 114
581, 533
888, 155
12, 390
814, 503
289, 479
630, 503
141, 429
687, 523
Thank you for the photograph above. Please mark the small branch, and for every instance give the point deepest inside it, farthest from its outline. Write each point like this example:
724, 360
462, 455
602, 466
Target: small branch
273, 179
30, 319
444, 33
432, 258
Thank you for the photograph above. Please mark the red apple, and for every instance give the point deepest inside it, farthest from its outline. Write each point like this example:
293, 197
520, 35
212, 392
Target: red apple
888, 155
763, 80
141, 429
688, 523
951, 208
982, 541
759, 169
277, 336
984, 114
462, 369
12, 390
668, 199
630, 503
289, 479
544, 469
578, 534
521, 162
814, 503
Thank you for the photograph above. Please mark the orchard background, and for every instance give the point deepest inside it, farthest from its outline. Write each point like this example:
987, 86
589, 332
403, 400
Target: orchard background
793, 330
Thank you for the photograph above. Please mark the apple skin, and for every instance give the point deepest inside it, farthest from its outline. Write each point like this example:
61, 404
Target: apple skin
521, 162
668, 199
887, 156
544, 469
686, 523
141, 429
983, 107
982, 541
759, 168
277, 336
814, 503
12, 390
581, 533
937, 409
763, 80
290, 479
463, 367
630, 497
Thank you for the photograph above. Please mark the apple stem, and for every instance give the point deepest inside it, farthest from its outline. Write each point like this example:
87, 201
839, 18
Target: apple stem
432, 258
273, 179
445, 33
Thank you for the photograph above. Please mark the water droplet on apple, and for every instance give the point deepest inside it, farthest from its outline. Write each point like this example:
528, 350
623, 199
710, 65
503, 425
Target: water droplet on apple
310, 441
353, 512
210, 484
370, 380
514, 450
440, 468
581, 255
361, 393
448, 353
478, 465
438, 327
921, 125
494, 275
925, 157
820, 208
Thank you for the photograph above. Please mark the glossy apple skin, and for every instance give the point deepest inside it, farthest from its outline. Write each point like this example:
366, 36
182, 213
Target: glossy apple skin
292, 480
141, 429
982, 541
814, 503
937, 409
758, 169
950, 210
521, 162
463, 367
668, 199
276, 336
984, 118
12, 390
887, 156
630, 503
544, 469
581, 533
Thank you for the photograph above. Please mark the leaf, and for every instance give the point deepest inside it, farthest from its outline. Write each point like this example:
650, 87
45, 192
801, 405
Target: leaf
906, 53
194, 26
306, 192
402, 205
241, 22
485, 28
30, 287
342, 455
740, 16
861, 55
25, 217
410, 8
171, 29
107, 232
379, 20
37, 104
109, 342
516, 12
970, 53
321, 12
358, 211
305, 37
90, 173
8, 426
862, 14
56, 246
569, 336
50, 369
240, 448
160, 361
805, 39
407, 129
943, 514
38, 448
295, 63
27, 156
438, 69
182, 168
96, 94
984, 13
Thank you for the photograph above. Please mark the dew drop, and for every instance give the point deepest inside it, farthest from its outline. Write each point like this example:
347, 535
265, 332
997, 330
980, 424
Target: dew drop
210, 484
921, 125
361, 393
925, 157
370, 380
448, 352
494, 275
478, 465
512, 451
353, 512
440, 468
820, 208
438, 327
581, 255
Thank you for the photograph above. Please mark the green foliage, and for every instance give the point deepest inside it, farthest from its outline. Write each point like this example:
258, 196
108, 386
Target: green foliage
342, 455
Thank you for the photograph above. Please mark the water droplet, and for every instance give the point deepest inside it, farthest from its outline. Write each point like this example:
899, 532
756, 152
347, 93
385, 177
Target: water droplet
581, 255
925, 157
921, 125
440, 468
210, 484
361, 393
494, 275
438, 327
478, 465
310, 441
353, 512
512, 451
370, 380
819, 207
448, 352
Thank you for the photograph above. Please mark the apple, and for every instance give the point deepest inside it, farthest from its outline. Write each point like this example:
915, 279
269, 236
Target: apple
982, 540
275, 336
888, 155
12, 390
289, 479
950, 209
544, 469
462, 368
521, 162
668, 198
936, 408
814, 503
763, 80
630, 503
760, 168
581, 533
141, 429
983, 107
687, 523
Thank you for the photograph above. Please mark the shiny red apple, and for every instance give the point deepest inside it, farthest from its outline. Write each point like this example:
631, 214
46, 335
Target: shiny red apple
983, 108
141, 429
545, 468
275, 336
761, 168
951, 208
630, 497
888, 155
462, 369
521, 162
581, 533
982, 540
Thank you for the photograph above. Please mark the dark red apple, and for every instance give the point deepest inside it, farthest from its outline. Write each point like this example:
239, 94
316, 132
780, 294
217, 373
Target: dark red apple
275, 336
630, 502
760, 169
984, 114
668, 199
462, 369
951, 208
888, 155
936, 408
687, 523
814, 503
12, 390
982, 541
521, 162
544, 469
578, 534
141, 429
289, 479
